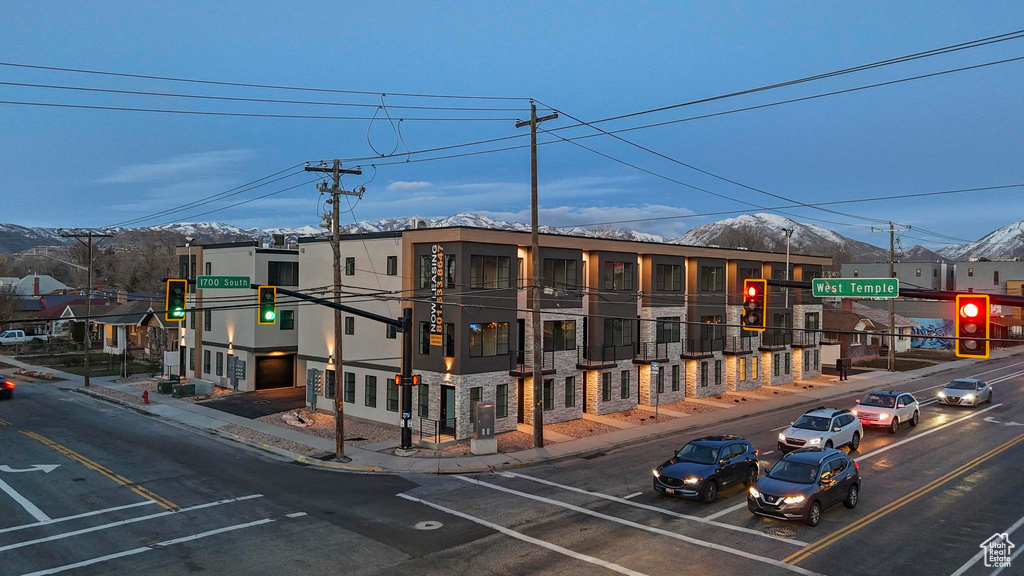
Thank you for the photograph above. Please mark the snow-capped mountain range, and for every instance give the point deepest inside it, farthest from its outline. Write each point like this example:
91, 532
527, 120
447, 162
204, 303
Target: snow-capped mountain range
760, 231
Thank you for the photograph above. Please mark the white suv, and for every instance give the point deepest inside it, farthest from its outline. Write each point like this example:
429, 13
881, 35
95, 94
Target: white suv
823, 427
888, 409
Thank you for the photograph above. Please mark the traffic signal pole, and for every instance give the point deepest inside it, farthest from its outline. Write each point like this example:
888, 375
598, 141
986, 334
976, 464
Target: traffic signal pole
86, 339
407, 380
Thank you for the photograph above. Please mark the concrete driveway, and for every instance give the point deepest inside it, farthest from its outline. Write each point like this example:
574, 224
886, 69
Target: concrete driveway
261, 403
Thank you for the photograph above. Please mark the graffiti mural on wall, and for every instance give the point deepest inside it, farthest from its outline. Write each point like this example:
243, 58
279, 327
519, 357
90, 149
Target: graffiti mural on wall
927, 334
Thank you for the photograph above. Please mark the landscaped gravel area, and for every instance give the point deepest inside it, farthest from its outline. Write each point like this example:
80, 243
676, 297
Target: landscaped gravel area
357, 432
580, 428
691, 407
514, 441
117, 395
640, 417
262, 438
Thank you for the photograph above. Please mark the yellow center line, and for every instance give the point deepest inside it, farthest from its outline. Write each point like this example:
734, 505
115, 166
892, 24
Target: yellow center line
134, 487
834, 537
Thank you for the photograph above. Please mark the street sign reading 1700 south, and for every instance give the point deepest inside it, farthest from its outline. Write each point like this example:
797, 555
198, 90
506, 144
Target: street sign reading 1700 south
217, 282
855, 287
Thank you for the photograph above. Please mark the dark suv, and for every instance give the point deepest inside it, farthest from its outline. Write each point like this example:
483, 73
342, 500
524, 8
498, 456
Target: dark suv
705, 465
6, 388
805, 483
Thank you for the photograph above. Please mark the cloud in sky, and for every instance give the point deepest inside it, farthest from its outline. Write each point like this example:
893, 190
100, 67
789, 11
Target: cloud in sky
403, 186
184, 167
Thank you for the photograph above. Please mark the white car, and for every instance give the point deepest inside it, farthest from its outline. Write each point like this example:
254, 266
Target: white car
822, 428
889, 409
966, 392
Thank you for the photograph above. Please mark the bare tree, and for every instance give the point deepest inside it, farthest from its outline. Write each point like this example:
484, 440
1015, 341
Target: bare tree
8, 305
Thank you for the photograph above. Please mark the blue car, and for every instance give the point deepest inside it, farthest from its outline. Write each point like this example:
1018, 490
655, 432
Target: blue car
804, 484
706, 465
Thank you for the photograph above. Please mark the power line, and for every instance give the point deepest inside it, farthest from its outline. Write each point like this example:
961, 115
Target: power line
253, 85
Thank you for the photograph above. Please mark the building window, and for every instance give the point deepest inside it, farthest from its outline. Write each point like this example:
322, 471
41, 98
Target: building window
220, 363
559, 273
618, 332
661, 380
449, 271
711, 328
712, 278
350, 325
918, 273
350, 387
787, 362
718, 372
816, 359
807, 360
754, 374
743, 369
207, 320
489, 339
606, 386
370, 391
331, 385
811, 321
856, 273
775, 364
675, 377
624, 384
618, 275
392, 400
489, 272
424, 339
192, 320
475, 395
668, 277
283, 273
424, 400
206, 361
287, 319
390, 332
549, 395
350, 266
209, 268
667, 330
970, 271
522, 273
935, 272
559, 335
392, 265
191, 358
703, 374
448, 337
995, 278
501, 401
570, 391
425, 275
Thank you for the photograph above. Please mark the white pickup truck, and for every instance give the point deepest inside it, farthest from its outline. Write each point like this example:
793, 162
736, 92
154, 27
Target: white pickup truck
11, 337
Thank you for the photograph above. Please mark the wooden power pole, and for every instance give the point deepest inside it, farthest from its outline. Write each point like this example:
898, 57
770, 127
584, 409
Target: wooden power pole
89, 236
336, 193
535, 291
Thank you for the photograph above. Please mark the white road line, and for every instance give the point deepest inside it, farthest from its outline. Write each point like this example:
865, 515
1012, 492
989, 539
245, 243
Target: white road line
633, 495
975, 376
77, 516
1010, 563
520, 536
295, 515
156, 546
768, 452
631, 524
923, 434
1006, 377
658, 510
28, 506
122, 523
780, 427
728, 510
981, 553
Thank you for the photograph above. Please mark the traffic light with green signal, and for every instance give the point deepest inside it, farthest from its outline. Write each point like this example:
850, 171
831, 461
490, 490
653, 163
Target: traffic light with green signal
754, 300
268, 305
174, 300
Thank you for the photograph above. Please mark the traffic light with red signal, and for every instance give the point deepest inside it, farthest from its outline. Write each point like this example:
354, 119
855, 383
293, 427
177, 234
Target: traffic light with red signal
174, 300
268, 305
972, 325
754, 304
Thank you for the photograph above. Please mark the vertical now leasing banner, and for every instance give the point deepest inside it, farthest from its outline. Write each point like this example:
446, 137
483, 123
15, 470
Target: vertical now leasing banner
437, 295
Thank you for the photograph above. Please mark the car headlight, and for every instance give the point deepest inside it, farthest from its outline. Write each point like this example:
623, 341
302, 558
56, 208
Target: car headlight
942, 394
814, 441
754, 492
782, 437
854, 412
793, 499
692, 480
883, 416
969, 397
656, 473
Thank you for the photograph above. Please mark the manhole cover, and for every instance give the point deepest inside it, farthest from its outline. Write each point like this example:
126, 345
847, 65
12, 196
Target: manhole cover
780, 531
428, 525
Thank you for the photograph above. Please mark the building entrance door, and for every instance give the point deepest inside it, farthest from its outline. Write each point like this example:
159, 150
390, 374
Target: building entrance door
521, 396
448, 410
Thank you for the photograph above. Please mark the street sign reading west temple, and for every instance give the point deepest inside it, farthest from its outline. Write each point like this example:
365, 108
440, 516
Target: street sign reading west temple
855, 287
222, 282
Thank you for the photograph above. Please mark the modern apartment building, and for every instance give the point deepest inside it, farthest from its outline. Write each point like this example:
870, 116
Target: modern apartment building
924, 275
989, 277
624, 323
225, 345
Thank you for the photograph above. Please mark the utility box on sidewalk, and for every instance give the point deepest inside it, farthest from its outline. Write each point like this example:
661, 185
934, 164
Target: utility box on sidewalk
483, 441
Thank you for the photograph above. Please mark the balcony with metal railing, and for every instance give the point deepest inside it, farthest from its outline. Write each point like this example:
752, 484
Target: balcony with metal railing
806, 338
436, 433
775, 339
520, 364
647, 352
598, 357
706, 347
743, 344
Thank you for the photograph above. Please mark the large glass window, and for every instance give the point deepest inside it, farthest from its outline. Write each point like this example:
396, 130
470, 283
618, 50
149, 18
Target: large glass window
283, 273
667, 329
811, 321
668, 277
711, 327
712, 278
489, 339
489, 271
618, 276
559, 273
559, 335
450, 279
618, 332
424, 276
448, 337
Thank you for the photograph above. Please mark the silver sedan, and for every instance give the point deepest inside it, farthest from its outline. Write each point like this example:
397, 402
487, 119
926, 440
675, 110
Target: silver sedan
966, 392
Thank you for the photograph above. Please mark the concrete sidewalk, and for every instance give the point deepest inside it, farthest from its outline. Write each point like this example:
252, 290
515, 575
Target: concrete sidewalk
362, 459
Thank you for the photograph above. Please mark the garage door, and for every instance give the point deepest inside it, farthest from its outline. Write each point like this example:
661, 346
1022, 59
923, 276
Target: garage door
274, 371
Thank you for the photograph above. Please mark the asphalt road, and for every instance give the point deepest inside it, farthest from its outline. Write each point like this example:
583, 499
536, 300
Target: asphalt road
132, 494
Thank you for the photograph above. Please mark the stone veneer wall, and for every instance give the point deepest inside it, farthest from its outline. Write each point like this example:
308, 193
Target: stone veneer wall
693, 384
565, 366
799, 310
741, 374
771, 379
462, 383
595, 405
648, 333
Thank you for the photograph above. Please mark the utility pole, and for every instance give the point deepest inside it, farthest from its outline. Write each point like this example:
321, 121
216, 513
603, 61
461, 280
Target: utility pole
538, 330
336, 193
88, 243
892, 301
789, 233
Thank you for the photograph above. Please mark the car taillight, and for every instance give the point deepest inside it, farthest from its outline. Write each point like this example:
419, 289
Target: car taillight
856, 466
757, 452
8, 384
